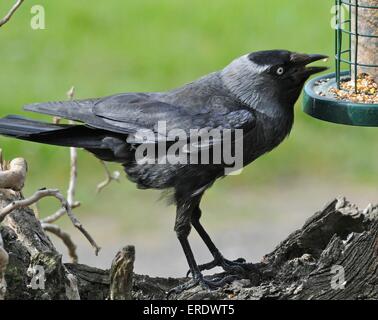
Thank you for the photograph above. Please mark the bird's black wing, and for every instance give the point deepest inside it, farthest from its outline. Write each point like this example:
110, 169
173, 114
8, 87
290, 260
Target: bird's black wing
135, 113
76, 110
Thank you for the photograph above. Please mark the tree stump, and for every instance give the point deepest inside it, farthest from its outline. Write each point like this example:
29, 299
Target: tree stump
333, 256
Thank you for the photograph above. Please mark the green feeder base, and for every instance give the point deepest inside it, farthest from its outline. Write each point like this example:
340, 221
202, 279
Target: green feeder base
319, 103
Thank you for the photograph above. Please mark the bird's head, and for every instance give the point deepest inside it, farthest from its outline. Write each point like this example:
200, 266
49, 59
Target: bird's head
274, 74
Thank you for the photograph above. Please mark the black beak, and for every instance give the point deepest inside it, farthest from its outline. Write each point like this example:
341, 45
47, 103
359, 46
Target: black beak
303, 60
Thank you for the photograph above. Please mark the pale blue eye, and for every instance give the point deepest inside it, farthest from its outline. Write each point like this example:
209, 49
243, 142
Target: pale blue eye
280, 71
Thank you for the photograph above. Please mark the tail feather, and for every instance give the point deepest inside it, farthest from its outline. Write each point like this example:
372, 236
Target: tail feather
61, 135
19, 127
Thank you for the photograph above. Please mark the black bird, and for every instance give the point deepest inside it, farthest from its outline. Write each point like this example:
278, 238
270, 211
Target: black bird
256, 93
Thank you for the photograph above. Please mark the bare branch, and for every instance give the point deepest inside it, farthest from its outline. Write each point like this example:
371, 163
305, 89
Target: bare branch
65, 237
109, 177
11, 12
77, 223
58, 214
79, 226
71, 203
73, 179
71, 93
73, 176
73, 155
43, 193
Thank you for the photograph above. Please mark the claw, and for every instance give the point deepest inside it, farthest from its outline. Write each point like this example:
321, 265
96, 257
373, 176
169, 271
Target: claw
207, 266
238, 266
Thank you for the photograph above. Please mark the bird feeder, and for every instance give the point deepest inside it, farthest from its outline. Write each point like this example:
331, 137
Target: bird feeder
349, 95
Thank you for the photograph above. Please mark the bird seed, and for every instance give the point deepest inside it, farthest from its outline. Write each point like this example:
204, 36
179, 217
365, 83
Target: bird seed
367, 90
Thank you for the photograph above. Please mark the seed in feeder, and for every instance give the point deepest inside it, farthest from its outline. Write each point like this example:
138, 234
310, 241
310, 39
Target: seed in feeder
367, 90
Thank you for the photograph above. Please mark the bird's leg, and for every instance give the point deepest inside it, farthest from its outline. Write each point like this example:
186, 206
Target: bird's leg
238, 266
182, 228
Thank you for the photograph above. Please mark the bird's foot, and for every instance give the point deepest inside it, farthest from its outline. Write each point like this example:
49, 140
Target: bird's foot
206, 284
238, 266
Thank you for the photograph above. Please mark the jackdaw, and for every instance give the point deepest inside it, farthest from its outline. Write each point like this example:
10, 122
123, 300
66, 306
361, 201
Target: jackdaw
254, 94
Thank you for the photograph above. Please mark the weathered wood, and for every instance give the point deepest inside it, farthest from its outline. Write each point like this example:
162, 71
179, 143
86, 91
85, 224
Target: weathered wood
30, 250
13, 177
121, 274
4, 259
333, 256
367, 47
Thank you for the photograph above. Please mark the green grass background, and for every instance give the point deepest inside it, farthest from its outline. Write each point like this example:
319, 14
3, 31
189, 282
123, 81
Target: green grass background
105, 47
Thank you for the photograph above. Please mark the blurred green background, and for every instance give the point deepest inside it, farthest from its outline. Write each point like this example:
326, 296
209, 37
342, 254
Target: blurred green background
114, 46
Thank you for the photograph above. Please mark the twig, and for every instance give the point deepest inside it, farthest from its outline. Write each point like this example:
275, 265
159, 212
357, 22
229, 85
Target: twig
76, 222
65, 237
58, 214
11, 12
71, 203
27, 202
1, 160
109, 177
73, 179
73, 176
71, 93
73, 156
43, 193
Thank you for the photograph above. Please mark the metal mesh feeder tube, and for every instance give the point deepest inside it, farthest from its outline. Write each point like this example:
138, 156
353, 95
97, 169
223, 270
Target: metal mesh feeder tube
350, 95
